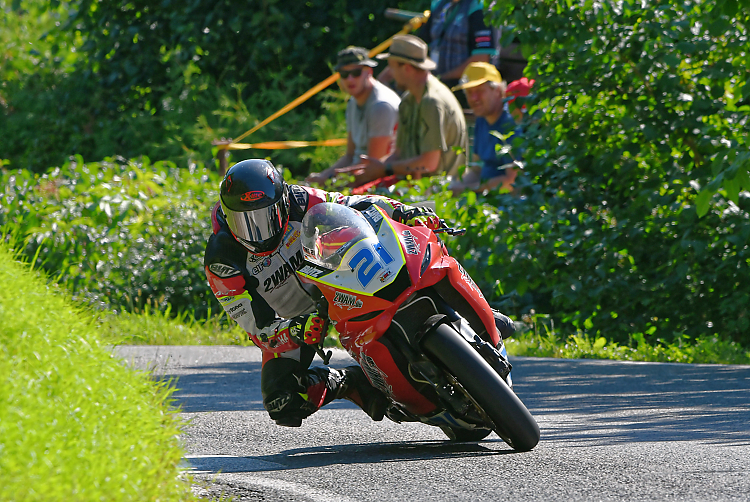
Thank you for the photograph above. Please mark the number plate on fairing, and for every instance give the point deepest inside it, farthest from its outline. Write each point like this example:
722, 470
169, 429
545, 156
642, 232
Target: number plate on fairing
370, 265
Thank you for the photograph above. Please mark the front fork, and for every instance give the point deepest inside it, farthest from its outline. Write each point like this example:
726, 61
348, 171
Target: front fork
496, 357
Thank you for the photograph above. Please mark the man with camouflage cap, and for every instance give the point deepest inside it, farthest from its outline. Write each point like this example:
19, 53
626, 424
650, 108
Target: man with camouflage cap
371, 113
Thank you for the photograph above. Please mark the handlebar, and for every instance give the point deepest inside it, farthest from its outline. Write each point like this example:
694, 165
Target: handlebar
444, 228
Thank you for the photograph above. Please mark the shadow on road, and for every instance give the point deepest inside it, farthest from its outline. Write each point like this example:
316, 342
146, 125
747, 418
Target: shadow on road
217, 387
223, 387
576, 401
608, 401
370, 453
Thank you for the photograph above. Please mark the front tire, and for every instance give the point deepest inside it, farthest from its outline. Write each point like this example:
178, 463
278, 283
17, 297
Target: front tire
465, 435
512, 420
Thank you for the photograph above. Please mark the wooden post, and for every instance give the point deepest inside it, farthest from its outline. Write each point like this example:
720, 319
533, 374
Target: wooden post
221, 154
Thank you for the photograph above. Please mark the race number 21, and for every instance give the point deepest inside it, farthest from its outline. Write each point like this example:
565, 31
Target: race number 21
366, 264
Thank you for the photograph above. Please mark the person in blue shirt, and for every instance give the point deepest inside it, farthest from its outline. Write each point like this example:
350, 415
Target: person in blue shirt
485, 93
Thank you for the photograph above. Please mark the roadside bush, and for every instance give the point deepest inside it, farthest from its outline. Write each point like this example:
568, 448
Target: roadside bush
75, 423
633, 116
130, 235
119, 233
670, 276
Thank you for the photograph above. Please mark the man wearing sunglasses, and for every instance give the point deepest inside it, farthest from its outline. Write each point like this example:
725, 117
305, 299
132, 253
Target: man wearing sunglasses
371, 113
431, 121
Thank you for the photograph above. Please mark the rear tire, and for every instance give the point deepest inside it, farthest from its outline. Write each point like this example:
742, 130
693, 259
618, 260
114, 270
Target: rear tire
513, 421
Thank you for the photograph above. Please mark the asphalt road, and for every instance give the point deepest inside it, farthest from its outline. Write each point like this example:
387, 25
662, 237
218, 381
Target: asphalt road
610, 431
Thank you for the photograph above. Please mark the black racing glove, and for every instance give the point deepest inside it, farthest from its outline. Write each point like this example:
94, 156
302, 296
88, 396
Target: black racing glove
309, 328
417, 216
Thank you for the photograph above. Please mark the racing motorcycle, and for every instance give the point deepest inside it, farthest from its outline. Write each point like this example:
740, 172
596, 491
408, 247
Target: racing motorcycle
415, 321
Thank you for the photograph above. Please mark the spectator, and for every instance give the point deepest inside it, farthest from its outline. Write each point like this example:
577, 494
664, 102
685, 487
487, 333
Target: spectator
431, 122
485, 92
371, 113
457, 35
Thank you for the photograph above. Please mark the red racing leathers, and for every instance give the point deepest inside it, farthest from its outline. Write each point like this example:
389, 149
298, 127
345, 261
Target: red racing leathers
265, 297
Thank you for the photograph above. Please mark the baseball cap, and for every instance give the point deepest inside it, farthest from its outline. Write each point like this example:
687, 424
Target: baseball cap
353, 55
476, 74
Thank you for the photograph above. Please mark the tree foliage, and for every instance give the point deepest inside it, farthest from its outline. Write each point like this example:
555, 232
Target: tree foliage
164, 79
639, 117
120, 234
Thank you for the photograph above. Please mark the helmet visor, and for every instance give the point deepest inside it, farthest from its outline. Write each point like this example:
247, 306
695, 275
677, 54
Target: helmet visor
255, 228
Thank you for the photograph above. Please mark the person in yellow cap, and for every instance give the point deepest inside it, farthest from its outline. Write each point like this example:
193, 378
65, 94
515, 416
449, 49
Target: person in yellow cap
485, 93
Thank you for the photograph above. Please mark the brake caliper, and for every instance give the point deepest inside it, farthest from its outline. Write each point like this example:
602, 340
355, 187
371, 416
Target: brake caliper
494, 357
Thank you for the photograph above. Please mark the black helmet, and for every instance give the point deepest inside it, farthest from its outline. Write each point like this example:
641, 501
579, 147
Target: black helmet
255, 201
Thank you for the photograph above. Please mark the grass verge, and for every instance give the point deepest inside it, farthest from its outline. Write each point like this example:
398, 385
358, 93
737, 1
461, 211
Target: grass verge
154, 327
703, 350
75, 424
534, 340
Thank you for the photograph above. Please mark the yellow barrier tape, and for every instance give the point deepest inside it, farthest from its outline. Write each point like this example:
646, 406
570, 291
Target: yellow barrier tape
413, 24
284, 145
322, 85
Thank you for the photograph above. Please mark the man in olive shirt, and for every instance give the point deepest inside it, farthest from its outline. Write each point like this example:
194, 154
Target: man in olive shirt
431, 121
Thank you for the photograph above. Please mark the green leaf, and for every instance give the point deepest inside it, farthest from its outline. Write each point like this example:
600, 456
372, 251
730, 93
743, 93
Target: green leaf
599, 344
732, 188
702, 201
743, 178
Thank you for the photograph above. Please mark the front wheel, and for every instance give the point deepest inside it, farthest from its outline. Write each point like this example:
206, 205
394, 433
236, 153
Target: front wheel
512, 420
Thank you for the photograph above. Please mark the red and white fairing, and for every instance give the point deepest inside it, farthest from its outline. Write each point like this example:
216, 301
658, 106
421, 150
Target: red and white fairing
368, 266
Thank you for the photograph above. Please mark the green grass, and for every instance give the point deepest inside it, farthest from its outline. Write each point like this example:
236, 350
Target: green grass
75, 423
539, 339
535, 339
154, 327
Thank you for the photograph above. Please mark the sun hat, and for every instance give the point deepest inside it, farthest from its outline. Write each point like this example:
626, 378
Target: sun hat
353, 55
409, 49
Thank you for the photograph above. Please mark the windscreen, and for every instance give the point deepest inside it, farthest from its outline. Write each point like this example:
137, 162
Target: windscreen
329, 230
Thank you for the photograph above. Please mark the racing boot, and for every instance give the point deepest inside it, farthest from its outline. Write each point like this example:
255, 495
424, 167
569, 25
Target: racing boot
292, 397
504, 324
357, 389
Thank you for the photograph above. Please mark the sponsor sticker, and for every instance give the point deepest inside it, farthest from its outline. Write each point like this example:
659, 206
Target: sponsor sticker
260, 266
468, 279
291, 240
377, 376
252, 196
373, 217
282, 337
283, 273
239, 314
300, 196
311, 271
236, 311
347, 301
223, 270
412, 247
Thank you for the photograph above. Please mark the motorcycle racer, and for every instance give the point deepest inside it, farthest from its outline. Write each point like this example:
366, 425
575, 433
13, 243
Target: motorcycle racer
250, 263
